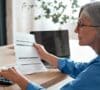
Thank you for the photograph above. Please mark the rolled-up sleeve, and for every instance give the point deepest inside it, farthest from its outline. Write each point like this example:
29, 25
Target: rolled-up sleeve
70, 67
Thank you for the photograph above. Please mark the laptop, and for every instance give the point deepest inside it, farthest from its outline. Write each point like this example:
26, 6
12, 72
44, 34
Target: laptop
55, 42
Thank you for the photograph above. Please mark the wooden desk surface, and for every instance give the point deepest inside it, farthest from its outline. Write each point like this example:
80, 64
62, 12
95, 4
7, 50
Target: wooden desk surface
46, 79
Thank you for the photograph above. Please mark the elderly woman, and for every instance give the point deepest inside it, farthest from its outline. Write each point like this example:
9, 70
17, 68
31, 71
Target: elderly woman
86, 75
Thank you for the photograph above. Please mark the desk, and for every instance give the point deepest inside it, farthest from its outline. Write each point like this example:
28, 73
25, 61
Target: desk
46, 79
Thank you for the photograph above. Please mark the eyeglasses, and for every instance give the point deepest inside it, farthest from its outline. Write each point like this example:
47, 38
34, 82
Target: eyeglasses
80, 25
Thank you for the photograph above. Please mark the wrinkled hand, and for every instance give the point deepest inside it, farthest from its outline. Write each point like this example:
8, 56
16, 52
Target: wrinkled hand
15, 76
41, 51
48, 57
10, 73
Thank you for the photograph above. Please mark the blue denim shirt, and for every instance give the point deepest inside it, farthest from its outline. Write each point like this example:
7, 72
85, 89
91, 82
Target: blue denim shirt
86, 75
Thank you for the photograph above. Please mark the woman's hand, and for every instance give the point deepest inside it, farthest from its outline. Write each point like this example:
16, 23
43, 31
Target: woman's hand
15, 76
48, 57
41, 51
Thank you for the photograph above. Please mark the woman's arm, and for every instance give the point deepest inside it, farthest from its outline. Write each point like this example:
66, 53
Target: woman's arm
18, 78
65, 65
48, 57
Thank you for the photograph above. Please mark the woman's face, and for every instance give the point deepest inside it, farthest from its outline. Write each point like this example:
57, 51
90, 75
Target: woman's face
86, 33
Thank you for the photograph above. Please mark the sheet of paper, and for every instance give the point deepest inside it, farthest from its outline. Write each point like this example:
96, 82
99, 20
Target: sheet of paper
27, 58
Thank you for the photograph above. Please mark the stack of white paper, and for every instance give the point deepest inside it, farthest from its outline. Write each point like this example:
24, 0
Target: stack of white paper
27, 58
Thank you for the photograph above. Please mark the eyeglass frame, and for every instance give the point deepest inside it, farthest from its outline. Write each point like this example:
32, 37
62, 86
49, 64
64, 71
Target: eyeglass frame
79, 24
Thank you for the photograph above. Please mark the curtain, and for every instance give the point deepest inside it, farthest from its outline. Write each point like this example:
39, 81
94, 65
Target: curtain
2, 22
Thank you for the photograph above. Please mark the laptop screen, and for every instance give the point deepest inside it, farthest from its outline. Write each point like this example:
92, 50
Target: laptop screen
55, 42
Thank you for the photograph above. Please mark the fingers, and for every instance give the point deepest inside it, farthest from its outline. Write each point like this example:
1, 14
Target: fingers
5, 69
36, 45
14, 68
0, 73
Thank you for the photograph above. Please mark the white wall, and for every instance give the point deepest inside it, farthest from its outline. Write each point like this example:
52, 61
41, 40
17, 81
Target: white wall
9, 22
23, 17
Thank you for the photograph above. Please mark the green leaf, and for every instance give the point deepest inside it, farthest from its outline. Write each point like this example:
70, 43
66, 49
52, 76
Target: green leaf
55, 18
47, 10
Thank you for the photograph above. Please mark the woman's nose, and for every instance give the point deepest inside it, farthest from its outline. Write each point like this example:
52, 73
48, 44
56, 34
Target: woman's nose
76, 30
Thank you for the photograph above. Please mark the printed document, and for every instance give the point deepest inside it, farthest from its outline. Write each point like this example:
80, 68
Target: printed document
27, 58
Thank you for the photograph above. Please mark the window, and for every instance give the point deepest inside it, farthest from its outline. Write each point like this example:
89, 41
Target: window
23, 16
3, 22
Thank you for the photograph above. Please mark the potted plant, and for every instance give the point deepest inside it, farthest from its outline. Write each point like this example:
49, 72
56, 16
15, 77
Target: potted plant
55, 10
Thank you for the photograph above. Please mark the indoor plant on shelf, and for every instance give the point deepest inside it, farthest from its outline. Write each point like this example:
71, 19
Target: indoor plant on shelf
56, 10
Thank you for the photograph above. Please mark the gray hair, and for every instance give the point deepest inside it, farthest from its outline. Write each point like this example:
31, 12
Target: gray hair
93, 11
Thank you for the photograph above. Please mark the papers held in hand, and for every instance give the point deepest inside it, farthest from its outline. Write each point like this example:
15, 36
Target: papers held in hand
27, 58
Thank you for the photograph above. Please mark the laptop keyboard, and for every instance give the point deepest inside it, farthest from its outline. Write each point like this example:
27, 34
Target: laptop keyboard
4, 81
